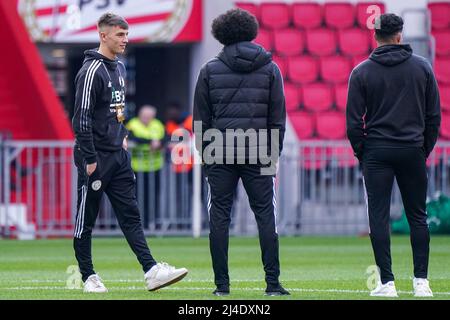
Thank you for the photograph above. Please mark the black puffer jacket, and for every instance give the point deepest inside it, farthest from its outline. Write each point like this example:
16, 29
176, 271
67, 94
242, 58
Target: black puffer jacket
240, 89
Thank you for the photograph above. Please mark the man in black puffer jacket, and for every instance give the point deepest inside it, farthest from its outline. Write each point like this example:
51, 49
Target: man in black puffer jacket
239, 100
393, 118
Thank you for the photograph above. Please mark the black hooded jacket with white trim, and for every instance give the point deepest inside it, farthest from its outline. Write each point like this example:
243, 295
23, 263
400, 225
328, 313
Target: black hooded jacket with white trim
100, 87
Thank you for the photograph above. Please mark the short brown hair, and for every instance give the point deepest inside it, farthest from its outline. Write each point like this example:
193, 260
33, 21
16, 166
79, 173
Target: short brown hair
111, 20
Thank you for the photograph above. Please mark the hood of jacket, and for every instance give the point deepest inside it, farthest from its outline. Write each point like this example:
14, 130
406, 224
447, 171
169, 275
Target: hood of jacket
391, 55
244, 56
94, 54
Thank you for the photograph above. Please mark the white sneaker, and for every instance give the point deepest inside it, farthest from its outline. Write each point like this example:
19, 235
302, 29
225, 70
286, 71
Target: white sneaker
162, 275
385, 290
94, 284
421, 288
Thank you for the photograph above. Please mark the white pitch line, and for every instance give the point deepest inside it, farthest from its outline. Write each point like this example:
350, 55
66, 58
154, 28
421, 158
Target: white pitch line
210, 288
185, 280
128, 281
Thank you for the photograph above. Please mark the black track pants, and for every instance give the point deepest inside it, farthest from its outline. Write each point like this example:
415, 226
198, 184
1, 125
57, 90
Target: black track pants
222, 182
115, 177
407, 165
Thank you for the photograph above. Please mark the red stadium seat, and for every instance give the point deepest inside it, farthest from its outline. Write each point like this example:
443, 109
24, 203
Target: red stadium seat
435, 156
321, 42
265, 39
335, 69
440, 15
303, 124
307, 15
289, 42
317, 96
293, 96
282, 64
442, 38
362, 15
354, 41
250, 7
275, 15
330, 125
442, 70
341, 92
373, 42
303, 69
313, 157
445, 126
358, 59
343, 156
339, 15
444, 91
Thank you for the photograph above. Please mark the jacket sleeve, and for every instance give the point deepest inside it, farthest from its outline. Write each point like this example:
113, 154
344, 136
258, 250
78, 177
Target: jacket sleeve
355, 110
432, 114
202, 109
87, 86
277, 107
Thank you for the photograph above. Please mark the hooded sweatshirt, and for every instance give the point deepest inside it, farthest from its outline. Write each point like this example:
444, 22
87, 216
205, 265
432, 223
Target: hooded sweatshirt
396, 93
100, 91
241, 88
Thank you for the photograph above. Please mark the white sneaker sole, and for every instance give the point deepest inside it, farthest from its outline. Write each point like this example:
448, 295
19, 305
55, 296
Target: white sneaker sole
384, 295
100, 291
170, 281
426, 295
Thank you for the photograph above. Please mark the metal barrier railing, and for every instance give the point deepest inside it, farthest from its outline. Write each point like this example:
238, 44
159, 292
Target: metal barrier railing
319, 190
37, 188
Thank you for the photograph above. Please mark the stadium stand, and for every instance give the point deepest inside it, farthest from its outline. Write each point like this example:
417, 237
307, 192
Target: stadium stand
317, 44
440, 15
303, 124
275, 15
307, 15
440, 23
289, 42
354, 42
317, 96
30, 88
303, 69
330, 125
339, 15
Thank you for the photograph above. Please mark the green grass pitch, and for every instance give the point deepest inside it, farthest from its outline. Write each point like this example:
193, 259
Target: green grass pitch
311, 268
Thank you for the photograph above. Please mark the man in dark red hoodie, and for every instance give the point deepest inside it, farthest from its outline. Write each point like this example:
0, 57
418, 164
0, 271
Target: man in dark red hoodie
393, 119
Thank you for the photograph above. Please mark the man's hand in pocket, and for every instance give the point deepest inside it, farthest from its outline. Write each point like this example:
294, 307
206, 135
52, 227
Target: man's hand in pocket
90, 168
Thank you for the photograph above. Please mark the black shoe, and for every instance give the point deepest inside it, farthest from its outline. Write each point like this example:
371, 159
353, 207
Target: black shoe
276, 290
222, 291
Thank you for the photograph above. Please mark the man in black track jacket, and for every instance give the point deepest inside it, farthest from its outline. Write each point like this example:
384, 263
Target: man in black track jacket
102, 160
393, 119
239, 97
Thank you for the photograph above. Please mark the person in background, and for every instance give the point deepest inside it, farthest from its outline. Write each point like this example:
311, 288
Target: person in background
146, 135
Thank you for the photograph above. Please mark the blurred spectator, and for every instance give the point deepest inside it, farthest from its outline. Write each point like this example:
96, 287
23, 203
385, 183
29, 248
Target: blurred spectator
147, 158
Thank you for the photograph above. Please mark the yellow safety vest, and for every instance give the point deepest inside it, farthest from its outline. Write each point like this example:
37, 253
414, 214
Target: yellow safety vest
142, 158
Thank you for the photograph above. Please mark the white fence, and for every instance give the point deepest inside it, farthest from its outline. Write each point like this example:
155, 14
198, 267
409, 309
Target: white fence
319, 189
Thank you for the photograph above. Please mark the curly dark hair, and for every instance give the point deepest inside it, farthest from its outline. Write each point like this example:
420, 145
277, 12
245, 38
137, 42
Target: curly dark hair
235, 25
387, 26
